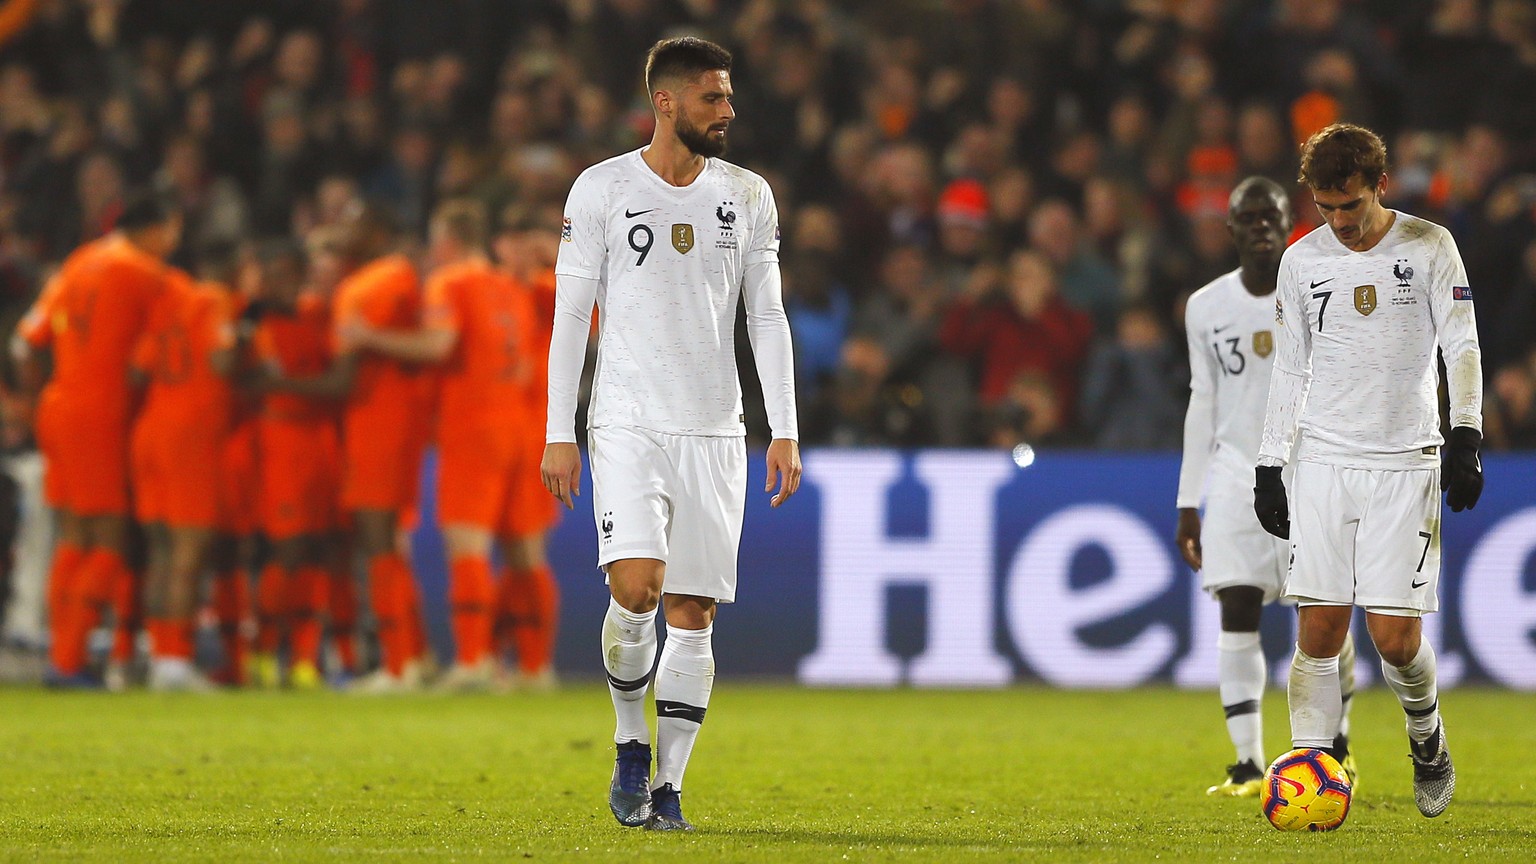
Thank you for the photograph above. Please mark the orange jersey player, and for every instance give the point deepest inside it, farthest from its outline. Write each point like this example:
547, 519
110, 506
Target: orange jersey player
179, 444
95, 311
477, 329
299, 442
384, 429
529, 605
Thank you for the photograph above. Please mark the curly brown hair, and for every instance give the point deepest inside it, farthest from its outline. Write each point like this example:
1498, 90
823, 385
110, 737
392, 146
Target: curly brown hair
1338, 152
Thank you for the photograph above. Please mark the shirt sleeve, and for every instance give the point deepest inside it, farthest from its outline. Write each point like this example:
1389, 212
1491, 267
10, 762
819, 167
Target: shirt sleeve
1450, 305
767, 323
583, 233
1199, 417
765, 229
1289, 381
574, 297
36, 327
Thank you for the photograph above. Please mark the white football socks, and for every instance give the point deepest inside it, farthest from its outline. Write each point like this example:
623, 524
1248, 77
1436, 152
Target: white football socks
1415, 687
684, 679
1317, 706
1242, 675
629, 651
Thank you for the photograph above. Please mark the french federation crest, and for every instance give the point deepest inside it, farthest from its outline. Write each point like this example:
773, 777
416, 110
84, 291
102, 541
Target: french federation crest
682, 237
1365, 299
1263, 343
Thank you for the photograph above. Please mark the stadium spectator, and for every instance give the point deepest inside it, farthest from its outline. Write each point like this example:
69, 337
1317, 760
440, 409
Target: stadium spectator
1017, 322
1132, 389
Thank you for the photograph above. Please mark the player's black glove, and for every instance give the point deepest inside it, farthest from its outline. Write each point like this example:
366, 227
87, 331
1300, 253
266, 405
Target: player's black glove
1462, 476
1269, 501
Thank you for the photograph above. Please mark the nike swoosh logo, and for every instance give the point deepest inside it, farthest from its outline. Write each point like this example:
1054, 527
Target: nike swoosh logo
1324, 282
630, 214
1221, 328
670, 711
1419, 584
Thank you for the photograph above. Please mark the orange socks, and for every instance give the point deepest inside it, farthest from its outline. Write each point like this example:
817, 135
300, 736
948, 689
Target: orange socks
343, 608
126, 612
62, 579
307, 601
170, 639
531, 599
471, 594
271, 607
390, 588
231, 599
86, 590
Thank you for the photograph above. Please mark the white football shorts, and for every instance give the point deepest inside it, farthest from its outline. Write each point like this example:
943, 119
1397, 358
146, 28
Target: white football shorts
1365, 537
1235, 547
675, 498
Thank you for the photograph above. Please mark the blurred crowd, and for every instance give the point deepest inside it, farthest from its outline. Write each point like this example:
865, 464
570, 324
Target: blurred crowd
993, 210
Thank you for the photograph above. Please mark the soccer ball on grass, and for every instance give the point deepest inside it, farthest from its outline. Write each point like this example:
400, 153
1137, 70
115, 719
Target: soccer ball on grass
1306, 790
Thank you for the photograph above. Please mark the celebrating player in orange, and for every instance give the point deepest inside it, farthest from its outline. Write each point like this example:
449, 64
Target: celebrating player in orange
99, 307
383, 431
529, 606
178, 447
477, 327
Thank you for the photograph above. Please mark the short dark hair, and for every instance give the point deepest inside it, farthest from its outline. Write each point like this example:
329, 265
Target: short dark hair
144, 208
1338, 152
683, 57
465, 220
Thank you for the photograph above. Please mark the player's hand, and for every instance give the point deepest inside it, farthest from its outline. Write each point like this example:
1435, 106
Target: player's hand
352, 335
1188, 537
561, 471
1269, 501
1462, 476
783, 466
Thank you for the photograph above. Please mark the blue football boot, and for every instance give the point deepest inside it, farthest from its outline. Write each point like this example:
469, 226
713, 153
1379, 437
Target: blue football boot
629, 794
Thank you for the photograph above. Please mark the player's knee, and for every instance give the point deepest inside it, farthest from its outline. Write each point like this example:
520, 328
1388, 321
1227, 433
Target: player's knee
636, 597
1397, 646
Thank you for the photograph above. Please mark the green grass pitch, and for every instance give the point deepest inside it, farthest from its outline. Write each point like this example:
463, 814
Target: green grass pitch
780, 774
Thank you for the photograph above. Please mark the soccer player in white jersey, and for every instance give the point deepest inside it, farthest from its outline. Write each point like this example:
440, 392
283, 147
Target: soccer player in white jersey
1231, 329
1364, 301
665, 240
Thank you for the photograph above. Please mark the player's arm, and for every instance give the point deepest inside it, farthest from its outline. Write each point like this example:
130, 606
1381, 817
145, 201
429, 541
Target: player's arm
1288, 384
427, 345
33, 338
335, 383
561, 466
1199, 441
578, 269
772, 350
1450, 305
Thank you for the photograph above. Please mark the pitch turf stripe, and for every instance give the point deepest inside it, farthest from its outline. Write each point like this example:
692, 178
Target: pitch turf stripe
1236, 709
628, 686
679, 711
1423, 712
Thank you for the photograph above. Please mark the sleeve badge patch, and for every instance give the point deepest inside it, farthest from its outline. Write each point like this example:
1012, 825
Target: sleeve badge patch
1461, 292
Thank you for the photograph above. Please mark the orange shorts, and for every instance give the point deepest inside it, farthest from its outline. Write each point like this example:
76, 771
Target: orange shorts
494, 485
381, 465
89, 463
300, 469
240, 486
176, 470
